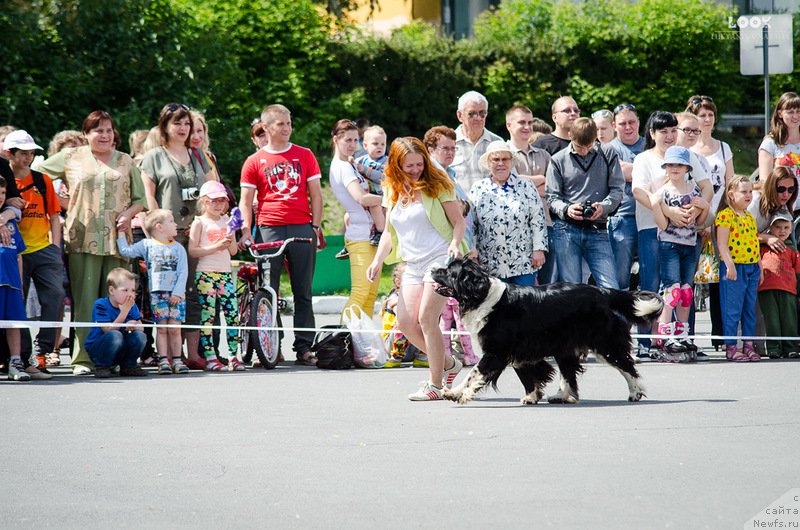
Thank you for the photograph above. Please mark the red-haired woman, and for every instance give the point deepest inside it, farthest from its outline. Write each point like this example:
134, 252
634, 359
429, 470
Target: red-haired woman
425, 226
105, 193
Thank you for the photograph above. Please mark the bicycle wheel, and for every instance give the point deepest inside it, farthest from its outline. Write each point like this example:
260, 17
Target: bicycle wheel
264, 342
244, 300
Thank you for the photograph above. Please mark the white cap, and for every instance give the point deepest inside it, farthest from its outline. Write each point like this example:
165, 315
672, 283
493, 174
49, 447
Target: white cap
20, 139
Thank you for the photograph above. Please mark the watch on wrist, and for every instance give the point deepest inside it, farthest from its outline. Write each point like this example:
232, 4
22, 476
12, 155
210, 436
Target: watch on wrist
316, 227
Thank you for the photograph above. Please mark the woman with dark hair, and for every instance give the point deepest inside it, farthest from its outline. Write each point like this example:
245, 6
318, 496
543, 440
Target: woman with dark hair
352, 191
105, 193
647, 176
425, 225
258, 133
172, 180
781, 147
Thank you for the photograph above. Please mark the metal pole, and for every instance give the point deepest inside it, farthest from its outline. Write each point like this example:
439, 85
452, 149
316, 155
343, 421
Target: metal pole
765, 36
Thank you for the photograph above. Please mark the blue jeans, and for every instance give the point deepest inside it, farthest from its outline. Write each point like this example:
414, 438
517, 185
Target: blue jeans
525, 280
677, 264
738, 300
548, 274
649, 274
622, 232
575, 243
118, 347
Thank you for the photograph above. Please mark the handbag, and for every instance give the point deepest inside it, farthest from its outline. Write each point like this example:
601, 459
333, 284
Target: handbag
333, 348
708, 266
369, 350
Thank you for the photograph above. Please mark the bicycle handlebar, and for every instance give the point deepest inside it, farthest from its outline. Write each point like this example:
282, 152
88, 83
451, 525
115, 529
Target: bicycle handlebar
280, 245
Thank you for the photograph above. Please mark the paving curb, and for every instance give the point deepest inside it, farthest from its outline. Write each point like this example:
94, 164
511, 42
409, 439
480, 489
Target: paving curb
330, 305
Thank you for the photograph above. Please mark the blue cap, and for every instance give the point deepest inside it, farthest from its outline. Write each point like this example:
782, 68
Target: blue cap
677, 155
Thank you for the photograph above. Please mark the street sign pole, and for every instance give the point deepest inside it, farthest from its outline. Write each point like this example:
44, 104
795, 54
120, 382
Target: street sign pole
765, 38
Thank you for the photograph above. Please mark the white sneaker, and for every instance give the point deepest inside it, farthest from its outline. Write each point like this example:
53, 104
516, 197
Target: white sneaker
450, 375
426, 392
16, 371
79, 369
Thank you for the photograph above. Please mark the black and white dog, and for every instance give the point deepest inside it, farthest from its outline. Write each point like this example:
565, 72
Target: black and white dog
521, 326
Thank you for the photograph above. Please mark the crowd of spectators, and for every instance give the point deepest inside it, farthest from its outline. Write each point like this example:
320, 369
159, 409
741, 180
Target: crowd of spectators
595, 199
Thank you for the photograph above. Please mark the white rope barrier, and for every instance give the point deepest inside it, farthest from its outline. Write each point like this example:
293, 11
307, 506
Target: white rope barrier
23, 324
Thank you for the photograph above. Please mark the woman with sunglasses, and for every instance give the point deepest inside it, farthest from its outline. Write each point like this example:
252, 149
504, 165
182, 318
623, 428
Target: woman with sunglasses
105, 193
605, 128
777, 194
781, 147
717, 153
172, 179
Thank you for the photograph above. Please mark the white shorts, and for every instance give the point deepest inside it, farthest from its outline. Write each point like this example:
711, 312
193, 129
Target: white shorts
420, 272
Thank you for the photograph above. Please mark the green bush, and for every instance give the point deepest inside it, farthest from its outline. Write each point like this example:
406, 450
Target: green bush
229, 58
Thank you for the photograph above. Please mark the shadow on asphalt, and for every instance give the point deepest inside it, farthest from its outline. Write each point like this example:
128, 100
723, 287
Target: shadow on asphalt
504, 403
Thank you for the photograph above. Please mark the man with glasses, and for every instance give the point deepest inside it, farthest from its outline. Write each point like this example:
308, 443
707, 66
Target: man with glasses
565, 112
472, 138
584, 184
531, 162
622, 225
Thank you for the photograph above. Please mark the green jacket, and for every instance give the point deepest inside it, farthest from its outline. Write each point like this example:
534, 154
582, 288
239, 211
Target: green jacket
436, 215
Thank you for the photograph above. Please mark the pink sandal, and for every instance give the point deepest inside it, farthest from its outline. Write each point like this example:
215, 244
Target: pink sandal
732, 354
751, 353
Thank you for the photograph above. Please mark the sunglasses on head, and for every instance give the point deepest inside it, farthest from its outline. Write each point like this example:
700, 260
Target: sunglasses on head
172, 107
701, 99
602, 114
624, 106
784, 189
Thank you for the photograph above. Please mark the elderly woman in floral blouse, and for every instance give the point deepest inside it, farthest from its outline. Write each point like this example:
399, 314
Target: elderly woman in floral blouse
510, 233
105, 193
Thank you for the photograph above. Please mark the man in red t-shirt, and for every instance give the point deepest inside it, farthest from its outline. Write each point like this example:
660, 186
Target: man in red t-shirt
285, 178
40, 228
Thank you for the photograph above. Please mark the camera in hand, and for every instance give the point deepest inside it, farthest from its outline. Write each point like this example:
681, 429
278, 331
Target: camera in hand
588, 210
190, 194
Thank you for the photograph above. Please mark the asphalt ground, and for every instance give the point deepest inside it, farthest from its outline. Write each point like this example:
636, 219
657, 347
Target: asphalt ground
297, 447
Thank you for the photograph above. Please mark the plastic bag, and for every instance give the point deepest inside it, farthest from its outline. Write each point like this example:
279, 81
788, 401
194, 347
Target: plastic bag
368, 347
708, 266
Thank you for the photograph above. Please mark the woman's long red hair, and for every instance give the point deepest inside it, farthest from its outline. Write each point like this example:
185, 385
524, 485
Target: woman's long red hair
431, 182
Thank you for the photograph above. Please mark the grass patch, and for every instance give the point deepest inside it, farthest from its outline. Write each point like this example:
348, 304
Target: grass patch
745, 151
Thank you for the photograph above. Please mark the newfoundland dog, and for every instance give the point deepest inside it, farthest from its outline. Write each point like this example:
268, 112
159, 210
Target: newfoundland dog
521, 326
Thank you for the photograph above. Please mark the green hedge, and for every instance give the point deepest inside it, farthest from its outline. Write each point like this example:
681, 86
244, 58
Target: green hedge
64, 58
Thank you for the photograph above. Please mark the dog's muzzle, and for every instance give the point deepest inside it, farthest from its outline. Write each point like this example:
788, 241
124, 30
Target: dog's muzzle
443, 290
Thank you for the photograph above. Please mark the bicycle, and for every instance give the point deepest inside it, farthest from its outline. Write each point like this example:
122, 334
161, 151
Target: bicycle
258, 302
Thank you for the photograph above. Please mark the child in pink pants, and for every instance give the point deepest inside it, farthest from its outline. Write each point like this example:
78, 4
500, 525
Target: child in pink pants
451, 312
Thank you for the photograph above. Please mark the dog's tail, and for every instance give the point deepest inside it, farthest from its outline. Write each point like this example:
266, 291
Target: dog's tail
639, 307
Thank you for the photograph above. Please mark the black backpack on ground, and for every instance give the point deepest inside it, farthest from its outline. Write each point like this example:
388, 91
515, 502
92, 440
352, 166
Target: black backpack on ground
334, 348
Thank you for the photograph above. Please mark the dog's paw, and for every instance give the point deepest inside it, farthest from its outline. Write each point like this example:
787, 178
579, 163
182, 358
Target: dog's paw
559, 399
636, 396
460, 397
532, 398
